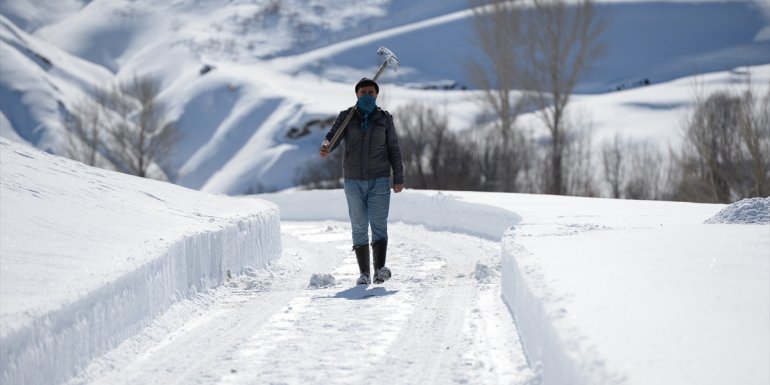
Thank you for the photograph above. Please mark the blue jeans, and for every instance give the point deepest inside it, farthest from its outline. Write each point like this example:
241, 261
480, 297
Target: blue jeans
368, 204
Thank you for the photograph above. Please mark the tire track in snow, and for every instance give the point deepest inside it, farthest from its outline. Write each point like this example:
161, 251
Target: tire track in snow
435, 321
195, 339
460, 331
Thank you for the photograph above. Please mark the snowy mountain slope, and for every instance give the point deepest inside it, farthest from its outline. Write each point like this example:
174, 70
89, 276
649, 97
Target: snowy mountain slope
31, 15
654, 114
38, 84
277, 66
644, 40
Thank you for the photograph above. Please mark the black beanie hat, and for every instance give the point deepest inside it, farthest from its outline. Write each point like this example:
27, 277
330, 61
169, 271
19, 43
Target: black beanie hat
367, 82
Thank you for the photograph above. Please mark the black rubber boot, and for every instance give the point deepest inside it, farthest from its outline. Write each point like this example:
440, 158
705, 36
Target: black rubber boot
380, 250
362, 255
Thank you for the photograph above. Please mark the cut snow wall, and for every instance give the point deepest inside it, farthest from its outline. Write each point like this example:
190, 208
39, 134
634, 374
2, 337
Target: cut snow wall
556, 358
441, 212
541, 343
56, 346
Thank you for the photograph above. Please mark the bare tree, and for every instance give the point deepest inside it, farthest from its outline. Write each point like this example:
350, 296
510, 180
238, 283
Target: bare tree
726, 151
562, 42
503, 167
711, 148
632, 170
754, 130
456, 167
491, 169
614, 160
123, 126
423, 133
142, 135
322, 175
545, 47
85, 136
578, 171
498, 29
644, 179
435, 157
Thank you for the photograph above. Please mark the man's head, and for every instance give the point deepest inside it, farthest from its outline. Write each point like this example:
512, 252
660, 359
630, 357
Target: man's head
367, 87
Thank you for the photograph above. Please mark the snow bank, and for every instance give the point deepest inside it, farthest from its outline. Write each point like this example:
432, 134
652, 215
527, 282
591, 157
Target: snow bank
746, 211
88, 257
436, 211
554, 357
634, 292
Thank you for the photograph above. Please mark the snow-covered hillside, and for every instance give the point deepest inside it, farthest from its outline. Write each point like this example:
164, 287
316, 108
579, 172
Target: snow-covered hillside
239, 76
111, 279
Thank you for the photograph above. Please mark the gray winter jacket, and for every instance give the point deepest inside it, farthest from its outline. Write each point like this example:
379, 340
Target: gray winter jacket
372, 154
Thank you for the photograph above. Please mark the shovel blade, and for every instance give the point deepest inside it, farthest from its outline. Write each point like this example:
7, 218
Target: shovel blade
389, 57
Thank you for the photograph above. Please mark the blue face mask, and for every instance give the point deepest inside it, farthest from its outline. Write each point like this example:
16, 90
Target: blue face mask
366, 105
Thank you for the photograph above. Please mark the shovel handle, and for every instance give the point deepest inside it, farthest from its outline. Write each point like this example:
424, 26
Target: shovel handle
341, 128
379, 70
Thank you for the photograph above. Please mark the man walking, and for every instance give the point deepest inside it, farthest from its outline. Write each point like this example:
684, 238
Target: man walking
371, 153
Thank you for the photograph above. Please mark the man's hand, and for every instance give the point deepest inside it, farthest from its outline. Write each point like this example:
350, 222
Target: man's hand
324, 150
398, 187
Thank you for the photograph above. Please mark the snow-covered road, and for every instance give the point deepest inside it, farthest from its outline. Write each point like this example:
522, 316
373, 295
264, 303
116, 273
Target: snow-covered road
440, 319
113, 279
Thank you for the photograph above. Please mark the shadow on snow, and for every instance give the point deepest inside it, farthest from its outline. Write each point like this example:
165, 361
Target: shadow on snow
364, 292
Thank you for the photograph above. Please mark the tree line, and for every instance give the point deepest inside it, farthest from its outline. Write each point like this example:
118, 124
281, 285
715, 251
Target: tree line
724, 157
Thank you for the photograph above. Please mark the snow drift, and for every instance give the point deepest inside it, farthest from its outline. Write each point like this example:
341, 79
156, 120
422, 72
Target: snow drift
746, 211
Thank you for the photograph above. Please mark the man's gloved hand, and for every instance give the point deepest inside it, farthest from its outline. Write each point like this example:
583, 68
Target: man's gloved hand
324, 150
